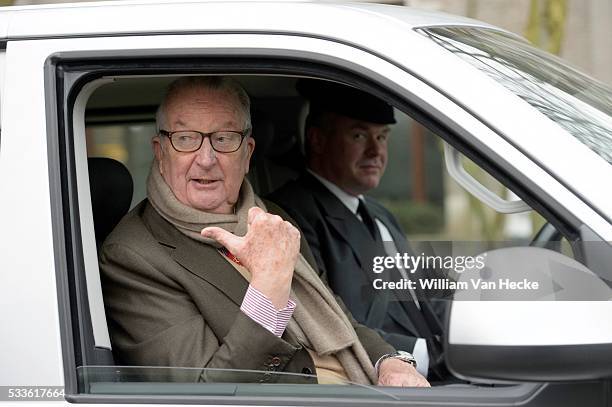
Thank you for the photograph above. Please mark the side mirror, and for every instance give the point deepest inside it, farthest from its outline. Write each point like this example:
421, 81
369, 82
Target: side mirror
502, 328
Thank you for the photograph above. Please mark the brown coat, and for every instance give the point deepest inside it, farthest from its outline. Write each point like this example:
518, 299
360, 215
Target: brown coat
173, 301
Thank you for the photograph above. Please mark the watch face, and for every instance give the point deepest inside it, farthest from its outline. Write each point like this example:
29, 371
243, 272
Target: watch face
406, 357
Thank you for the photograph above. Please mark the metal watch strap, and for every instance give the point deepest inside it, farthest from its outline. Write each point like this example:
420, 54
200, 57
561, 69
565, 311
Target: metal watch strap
401, 355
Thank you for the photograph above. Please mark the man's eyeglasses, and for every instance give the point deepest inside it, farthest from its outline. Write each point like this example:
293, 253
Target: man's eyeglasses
187, 141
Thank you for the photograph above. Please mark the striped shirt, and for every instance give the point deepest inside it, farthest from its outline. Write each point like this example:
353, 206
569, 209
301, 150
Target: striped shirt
259, 308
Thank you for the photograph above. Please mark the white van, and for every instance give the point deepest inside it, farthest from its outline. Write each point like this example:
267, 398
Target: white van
83, 81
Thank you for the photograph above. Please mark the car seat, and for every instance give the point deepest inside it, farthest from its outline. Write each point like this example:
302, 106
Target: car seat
111, 194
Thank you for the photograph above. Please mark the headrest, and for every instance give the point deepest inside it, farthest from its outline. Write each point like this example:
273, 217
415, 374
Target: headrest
111, 194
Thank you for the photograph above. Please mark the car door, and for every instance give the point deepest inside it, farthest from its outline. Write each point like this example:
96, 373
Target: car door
69, 301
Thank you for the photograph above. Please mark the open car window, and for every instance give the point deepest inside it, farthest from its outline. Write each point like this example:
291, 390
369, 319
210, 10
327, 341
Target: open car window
437, 216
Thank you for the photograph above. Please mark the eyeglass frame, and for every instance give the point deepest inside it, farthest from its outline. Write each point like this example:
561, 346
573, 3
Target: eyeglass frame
169, 134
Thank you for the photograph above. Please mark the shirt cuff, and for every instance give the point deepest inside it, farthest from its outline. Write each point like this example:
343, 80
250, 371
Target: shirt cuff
259, 308
421, 356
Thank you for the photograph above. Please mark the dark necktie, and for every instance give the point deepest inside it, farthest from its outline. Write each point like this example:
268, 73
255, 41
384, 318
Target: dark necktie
368, 220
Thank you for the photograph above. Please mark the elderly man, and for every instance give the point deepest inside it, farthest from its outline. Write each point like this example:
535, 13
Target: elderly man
346, 138
205, 274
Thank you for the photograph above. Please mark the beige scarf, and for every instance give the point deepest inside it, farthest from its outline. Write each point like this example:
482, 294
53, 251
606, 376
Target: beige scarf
318, 322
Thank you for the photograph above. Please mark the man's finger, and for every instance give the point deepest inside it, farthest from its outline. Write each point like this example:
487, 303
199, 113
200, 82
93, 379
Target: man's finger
227, 239
253, 212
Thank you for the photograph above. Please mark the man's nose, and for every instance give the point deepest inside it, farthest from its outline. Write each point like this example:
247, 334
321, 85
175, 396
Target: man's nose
206, 156
375, 146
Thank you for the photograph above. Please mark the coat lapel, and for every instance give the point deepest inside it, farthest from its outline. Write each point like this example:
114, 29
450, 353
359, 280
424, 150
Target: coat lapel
198, 258
342, 220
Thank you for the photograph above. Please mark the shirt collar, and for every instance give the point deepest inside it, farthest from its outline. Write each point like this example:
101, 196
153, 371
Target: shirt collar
350, 201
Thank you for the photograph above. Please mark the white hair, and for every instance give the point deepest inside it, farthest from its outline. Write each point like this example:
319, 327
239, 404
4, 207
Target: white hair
217, 83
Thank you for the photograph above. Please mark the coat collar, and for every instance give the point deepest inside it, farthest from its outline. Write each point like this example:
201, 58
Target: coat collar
202, 260
348, 200
330, 206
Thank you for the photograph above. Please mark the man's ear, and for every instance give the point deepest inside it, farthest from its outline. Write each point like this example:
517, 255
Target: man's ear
316, 140
249, 151
158, 150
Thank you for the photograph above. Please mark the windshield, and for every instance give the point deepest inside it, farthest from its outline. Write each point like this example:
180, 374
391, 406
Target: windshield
579, 104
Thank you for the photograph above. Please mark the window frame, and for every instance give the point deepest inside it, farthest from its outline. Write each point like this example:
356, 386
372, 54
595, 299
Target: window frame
69, 76
2, 73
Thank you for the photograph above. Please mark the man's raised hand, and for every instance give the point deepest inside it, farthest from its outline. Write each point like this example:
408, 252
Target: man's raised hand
269, 250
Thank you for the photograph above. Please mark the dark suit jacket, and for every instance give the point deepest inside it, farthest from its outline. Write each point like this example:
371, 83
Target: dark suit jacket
173, 301
342, 249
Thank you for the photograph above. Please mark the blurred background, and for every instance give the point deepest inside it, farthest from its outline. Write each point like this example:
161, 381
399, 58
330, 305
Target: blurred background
429, 204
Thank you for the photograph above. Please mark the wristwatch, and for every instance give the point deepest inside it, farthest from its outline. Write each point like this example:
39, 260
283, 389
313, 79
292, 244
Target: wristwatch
401, 355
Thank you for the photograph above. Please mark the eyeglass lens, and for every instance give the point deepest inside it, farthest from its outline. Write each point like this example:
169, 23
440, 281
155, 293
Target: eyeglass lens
221, 141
